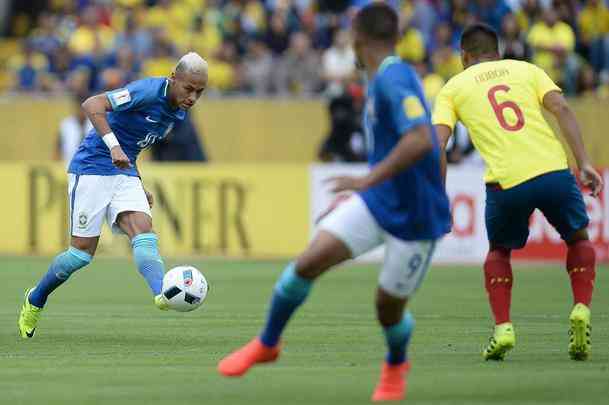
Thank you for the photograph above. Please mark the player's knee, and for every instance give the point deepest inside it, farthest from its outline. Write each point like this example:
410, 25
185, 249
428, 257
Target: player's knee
88, 245
323, 253
309, 266
134, 223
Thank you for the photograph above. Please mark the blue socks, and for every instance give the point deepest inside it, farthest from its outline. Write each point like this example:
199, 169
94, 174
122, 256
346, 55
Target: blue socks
290, 292
397, 337
59, 271
148, 261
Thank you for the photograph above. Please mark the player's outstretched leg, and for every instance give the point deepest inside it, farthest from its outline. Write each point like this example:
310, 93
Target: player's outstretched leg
61, 268
581, 260
150, 265
498, 281
290, 293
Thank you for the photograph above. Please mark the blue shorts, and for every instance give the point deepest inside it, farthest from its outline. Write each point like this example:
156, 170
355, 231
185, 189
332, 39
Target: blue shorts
555, 194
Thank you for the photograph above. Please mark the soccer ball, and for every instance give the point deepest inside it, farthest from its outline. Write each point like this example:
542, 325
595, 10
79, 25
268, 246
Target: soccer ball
185, 288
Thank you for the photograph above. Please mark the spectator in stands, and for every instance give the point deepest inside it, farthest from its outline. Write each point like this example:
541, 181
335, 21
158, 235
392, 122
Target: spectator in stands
587, 82
424, 17
411, 46
224, 74
445, 60
61, 65
299, 71
96, 31
258, 69
594, 34
29, 69
432, 82
553, 43
91, 37
528, 15
277, 35
491, 12
135, 38
163, 55
44, 38
182, 144
205, 37
72, 129
515, 46
567, 12
339, 63
345, 142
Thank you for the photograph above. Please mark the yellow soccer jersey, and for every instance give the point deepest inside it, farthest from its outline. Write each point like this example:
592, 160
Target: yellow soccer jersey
500, 103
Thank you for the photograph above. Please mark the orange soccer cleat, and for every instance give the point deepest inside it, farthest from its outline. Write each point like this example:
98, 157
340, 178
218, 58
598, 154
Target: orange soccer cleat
392, 384
238, 362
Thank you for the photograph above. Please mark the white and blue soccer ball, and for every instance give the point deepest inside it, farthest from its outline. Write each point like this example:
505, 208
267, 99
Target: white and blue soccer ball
185, 288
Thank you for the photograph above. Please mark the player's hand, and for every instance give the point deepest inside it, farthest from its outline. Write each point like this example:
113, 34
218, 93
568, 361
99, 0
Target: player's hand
149, 197
338, 200
347, 183
119, 158
591, 179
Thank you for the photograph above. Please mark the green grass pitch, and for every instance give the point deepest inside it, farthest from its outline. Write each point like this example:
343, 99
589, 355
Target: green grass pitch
101, 341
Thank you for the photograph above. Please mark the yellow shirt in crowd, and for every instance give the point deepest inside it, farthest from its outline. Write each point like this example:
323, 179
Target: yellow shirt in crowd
594, 21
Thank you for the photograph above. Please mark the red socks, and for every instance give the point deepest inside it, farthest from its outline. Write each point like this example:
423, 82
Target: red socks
498, 282
581, 260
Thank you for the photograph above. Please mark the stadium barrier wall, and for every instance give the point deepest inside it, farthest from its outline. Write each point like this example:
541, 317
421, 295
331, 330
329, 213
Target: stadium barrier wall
234, 210
253, 210
238, 130
233, 130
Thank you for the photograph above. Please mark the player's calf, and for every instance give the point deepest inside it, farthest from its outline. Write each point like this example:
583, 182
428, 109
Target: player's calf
148, 260
581, 262
62, 267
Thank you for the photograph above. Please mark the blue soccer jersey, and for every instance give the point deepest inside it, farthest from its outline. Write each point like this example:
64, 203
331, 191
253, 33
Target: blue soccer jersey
140, 116
413, 204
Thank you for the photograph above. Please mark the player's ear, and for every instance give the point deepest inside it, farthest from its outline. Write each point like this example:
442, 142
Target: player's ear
464, 59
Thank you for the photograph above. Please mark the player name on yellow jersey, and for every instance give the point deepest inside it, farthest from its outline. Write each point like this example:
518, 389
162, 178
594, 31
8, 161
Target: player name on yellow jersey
491, 74
500, 102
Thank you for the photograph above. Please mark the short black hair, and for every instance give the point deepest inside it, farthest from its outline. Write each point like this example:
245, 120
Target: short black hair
479, 39
378, 21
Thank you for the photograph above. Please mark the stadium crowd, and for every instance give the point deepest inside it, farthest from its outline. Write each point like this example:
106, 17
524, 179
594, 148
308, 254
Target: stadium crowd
290, 47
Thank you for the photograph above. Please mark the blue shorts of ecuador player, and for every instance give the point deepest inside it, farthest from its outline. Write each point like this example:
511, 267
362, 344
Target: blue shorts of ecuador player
555, 194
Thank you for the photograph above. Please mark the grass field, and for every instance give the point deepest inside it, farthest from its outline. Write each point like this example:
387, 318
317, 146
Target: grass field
101, 341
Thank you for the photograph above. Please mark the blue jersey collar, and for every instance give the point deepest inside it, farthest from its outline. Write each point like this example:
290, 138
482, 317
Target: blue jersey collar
388, 61
178, 112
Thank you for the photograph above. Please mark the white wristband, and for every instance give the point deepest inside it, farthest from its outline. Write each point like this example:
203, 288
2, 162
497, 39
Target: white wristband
110, 140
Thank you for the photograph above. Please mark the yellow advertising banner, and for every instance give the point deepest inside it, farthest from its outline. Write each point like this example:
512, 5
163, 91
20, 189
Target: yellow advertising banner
257, 210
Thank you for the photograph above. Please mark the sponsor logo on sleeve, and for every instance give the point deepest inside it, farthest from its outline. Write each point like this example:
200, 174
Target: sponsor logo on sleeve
120, 97
413, 107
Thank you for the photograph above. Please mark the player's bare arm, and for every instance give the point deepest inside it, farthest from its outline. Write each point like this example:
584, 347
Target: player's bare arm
556, 103
96, 108
412, 147
444, 133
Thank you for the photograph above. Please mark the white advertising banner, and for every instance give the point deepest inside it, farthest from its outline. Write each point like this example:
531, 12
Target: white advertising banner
467, 241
